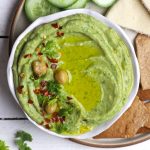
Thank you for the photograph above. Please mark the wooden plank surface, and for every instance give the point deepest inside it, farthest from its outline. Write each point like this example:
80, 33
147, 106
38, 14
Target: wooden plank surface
44, 141
8, 106
41, 140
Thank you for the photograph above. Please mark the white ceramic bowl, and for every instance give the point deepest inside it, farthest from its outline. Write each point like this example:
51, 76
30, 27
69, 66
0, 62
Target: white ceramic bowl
103, 19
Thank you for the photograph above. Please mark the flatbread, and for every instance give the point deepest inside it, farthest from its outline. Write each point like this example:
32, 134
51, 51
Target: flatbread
130, 122
143, 53
143, 130
144, 94
130, 14
147, 124
146, 3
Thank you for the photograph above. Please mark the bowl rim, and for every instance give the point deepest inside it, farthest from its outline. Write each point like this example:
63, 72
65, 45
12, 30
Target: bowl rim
110, 24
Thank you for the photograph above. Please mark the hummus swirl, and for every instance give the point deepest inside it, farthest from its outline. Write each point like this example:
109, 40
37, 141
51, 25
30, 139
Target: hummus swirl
97, 79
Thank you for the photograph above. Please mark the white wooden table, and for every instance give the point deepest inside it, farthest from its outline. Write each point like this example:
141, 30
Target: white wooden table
12, 118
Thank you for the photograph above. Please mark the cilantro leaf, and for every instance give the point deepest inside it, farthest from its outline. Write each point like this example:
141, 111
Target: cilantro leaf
21, 138
3, 145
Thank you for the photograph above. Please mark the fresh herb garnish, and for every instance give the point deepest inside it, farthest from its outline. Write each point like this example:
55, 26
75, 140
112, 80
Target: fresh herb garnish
21, 138
3, 145
50, 49
42, 100
54, 87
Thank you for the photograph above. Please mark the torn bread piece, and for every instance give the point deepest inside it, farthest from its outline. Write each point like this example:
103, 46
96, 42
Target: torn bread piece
130, 14
147, 124
146, 3
129, 123
143, 53
144, 94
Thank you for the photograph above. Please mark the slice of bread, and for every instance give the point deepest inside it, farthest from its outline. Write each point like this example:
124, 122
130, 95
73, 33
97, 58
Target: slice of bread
147, 124
144, 94
146, 3
142, 43
130, 14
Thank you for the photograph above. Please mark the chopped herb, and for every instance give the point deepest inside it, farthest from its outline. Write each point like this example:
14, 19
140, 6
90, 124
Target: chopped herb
3, 145
42, 99
65, 111
53, 87
50, 49
53, 101
21, 138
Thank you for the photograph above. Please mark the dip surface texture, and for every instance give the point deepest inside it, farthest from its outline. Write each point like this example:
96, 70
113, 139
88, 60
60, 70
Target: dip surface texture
73, 74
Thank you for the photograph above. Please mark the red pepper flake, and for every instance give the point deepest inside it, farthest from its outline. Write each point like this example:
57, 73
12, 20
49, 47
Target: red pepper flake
39, 54
53, 66
55, 114
57, 119
36, 91
30, 101
69, 98
52, 120
28, 56
42, 91
47, 120
47, 126
46, 65
55, 25
43, 83
59, 34
46, 93
41, 123
53, 60
19, 89
62, 119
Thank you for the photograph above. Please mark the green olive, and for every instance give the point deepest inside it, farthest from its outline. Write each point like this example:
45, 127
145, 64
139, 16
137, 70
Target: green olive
39, 68
61, 76
51, 108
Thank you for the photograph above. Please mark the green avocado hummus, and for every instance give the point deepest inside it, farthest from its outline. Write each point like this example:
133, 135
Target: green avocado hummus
73, 74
